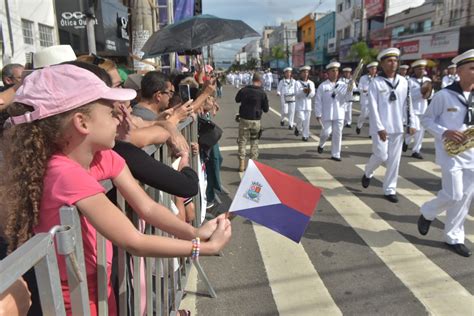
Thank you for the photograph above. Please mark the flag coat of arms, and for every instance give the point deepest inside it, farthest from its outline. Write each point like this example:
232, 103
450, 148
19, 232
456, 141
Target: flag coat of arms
275, 200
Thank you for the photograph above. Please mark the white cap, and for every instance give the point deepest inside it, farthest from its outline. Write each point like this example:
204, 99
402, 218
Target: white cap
373, 64
388, 52
419, 63
452, 66
404, 67
334, 64
53, 55
347, 69
466, 57
305, 68
287, 69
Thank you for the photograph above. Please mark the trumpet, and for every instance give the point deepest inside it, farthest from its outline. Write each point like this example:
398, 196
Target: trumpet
453, 148
355, 76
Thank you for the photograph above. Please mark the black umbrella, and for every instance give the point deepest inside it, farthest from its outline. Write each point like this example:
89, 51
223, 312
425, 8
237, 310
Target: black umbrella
195, 32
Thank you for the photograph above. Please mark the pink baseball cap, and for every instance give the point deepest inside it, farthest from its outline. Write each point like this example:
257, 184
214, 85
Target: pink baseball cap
60, 88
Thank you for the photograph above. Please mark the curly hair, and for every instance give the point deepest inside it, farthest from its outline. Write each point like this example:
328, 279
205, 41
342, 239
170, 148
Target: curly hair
27, 149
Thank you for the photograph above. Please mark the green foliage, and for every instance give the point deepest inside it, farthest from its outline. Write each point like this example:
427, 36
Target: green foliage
278, 52
360, 50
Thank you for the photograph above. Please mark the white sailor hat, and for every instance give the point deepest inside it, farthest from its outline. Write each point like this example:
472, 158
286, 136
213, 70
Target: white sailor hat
287, 69
452, 66
404, 67
388, 52
347, 69
305, 68
373, 64
464, 58
419, 63
334, 64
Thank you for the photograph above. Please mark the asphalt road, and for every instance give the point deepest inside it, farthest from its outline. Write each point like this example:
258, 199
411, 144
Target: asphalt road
360, 255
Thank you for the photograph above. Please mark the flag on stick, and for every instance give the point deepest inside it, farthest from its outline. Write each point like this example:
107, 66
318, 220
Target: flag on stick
275, 200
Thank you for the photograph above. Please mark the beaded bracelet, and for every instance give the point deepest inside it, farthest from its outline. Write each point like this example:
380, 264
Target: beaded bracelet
195, 250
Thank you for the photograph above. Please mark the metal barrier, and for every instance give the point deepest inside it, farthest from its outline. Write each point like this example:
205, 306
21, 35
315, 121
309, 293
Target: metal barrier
165, 281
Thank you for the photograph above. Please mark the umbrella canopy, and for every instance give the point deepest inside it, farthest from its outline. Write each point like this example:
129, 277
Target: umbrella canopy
195, 32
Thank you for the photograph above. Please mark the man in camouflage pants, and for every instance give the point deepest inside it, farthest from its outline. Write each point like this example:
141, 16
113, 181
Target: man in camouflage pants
253, 102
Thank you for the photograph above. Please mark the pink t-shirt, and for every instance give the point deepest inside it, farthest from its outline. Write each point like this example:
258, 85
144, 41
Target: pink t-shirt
65, 183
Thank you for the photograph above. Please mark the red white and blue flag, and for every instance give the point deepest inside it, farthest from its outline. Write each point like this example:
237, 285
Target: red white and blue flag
275, 200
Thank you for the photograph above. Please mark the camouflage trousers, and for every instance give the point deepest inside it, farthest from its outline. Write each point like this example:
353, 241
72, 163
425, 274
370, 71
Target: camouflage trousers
248, 132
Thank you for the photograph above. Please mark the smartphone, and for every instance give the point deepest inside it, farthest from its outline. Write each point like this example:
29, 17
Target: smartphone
184, 92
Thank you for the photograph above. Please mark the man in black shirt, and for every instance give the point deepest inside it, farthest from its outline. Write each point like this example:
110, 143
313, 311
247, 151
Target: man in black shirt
253, 101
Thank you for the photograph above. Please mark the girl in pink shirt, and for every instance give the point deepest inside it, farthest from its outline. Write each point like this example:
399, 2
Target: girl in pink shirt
57, 152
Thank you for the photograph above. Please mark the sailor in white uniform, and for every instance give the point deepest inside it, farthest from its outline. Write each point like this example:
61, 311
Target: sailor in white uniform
388, 95
403, 71
305, 92
330, 108
364, 83
419, 105
451, 112
346, 78
286, 91
451, 77
268, 80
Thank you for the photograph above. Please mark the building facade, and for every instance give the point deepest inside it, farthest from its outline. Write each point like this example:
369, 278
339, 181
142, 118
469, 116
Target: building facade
325, 30
26, 26
350, 26
284, 35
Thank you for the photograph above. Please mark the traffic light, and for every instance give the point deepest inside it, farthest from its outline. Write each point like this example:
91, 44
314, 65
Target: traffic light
197, 7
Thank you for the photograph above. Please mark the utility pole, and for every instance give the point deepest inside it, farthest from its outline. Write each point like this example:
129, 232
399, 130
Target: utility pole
90, 22
142, 28
287, 47
171, 21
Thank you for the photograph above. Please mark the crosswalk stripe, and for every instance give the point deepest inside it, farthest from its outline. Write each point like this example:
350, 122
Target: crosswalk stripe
419, 274
427, 166
418, 196
304, 291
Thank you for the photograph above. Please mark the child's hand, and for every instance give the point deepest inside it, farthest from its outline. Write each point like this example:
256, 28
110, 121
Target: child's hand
184, 162
195, 148
221, 235
125, 125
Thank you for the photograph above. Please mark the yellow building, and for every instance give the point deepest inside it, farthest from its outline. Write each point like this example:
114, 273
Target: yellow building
306, 31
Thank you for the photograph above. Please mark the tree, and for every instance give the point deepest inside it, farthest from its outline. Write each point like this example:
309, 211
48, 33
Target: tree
252, 64
360, 50
278, 53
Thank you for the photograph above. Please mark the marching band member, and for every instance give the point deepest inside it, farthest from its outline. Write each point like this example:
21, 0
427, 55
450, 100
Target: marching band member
305, 91
403, 71
346, 78
420, 90
451, 77
364, 83
268, 80
388, 95
330, 108
451, 112
286, 91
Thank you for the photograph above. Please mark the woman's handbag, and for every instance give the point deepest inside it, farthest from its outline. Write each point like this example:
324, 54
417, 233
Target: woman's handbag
208, 133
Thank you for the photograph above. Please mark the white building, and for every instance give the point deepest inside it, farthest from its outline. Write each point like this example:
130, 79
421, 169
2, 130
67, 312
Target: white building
350, 25
253, 50
26, 26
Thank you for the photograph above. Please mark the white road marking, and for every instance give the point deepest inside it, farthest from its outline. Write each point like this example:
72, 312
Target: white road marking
436, 290
418, 196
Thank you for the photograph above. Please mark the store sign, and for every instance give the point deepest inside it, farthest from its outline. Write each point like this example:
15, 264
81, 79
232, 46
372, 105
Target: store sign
298, 54
374, 7
434, 46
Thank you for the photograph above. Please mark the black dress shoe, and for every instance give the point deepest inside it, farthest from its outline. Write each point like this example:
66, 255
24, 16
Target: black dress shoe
336, 159
365, 181
348, 125
290, 127
305, 139
297, 133
357, 131
392, 198
423, 225
404, 147
460, 249
320, 150
282, 123
417, 156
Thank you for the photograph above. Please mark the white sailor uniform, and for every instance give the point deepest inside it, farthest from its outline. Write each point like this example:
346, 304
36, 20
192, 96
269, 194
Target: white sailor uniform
330, 106
287, 92
303, 105
447, 111
449, 80
364, 83
348, 106
387, 105
419, 105
268, 80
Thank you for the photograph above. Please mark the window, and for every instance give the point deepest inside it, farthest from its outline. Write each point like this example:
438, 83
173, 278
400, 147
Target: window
27, 28
46, 35
339, 7
396, 31
348, 4
338, 36
427, 25
347, 32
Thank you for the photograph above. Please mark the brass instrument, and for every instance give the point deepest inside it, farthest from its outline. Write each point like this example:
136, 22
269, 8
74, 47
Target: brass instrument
453, 148
355, 76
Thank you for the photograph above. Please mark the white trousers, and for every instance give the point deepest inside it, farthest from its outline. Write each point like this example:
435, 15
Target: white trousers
418, 136
390, 152
348, 115
302, 122
335, 127
288, 112
457, 190
363, 116
268, 86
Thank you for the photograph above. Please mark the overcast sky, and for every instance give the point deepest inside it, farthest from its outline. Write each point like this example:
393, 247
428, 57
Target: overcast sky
258, 13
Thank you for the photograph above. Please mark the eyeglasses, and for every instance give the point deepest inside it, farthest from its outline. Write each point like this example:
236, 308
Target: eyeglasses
170, 93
